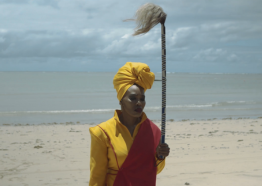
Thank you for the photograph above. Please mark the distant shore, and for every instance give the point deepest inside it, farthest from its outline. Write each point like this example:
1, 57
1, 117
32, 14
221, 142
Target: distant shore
203, 153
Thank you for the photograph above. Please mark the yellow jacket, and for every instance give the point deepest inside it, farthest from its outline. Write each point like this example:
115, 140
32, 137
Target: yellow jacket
103, 165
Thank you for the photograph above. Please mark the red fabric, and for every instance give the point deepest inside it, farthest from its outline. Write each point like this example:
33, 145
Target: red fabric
139, 167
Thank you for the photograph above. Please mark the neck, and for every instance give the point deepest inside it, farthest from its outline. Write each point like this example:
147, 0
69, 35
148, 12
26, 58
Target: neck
128, 120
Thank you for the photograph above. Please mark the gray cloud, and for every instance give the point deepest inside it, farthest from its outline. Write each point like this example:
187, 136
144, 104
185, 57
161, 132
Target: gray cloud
52, 3
14, 1
47, 43
80, 32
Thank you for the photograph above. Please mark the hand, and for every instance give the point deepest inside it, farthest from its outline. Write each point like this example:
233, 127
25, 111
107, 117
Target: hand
162, 150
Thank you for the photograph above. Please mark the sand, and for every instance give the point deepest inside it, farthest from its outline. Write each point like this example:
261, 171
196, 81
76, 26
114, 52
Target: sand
213, 152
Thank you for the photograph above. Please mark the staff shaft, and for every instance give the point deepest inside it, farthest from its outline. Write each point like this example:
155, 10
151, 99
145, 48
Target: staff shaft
163, 120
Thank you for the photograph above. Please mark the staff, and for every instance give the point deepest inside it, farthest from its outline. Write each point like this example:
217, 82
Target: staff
147, 16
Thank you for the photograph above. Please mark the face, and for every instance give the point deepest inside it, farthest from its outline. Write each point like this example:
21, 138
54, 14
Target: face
133, 102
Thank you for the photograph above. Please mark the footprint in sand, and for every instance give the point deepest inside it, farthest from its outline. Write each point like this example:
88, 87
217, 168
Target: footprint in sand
16, 179
45, 152
38, 147
15, 170
38, 141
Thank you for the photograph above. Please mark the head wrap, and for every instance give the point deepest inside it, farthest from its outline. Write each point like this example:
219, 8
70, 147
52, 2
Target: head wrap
132, 73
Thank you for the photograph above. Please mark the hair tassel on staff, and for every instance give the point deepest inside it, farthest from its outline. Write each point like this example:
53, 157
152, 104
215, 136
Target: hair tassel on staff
147, 16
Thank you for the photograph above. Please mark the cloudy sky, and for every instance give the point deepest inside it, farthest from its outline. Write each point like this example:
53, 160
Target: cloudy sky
202, 36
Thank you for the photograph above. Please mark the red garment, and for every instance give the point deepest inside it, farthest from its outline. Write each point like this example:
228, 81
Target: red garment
139, 168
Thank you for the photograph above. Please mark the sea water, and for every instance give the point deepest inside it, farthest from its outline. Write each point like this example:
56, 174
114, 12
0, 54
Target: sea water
89, 97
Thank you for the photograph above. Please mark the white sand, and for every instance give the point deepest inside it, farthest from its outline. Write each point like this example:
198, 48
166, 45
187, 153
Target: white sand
213, 153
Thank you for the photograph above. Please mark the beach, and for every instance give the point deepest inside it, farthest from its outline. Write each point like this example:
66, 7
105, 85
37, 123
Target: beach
206, 152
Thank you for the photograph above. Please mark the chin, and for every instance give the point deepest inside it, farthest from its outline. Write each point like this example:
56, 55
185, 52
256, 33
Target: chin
136, 114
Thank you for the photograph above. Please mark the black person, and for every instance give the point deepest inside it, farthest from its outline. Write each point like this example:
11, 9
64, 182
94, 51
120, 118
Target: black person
125, 150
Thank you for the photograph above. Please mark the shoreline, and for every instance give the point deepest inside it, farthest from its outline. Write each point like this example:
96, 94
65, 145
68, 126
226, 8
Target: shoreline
155, 121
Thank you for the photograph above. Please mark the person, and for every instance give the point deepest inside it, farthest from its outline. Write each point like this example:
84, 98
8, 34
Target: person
126, 149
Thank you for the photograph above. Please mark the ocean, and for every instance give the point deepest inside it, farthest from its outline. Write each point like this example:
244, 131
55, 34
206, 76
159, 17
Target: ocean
89, 97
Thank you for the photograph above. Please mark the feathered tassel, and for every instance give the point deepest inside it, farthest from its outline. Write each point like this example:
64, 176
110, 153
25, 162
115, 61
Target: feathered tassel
147, 16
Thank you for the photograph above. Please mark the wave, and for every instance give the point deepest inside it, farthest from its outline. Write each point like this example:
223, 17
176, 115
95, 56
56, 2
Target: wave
224, 105
60, 111
207, 105
99, 110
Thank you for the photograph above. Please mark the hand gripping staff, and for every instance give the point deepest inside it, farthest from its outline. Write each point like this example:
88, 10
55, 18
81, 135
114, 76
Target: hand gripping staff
147, 16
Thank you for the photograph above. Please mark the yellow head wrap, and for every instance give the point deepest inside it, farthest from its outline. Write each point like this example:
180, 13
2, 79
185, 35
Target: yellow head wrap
132, 73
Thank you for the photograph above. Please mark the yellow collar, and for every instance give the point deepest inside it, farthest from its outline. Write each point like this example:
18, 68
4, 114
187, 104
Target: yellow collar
118, 112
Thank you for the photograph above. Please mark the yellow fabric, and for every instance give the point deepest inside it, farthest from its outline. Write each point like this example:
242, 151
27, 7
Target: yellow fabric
102, 158
131, 73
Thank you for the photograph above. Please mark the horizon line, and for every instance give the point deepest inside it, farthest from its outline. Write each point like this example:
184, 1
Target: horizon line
153, 72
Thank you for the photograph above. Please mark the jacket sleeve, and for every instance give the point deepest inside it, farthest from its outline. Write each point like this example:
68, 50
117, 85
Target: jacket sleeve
98, 158
160, 164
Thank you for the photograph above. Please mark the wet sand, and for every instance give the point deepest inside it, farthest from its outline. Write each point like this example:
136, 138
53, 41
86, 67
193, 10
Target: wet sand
213, 152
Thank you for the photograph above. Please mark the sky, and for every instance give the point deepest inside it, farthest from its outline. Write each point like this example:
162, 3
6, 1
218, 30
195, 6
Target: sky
202, 36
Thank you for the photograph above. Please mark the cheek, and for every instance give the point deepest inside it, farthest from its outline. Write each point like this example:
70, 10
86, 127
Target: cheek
130, 104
